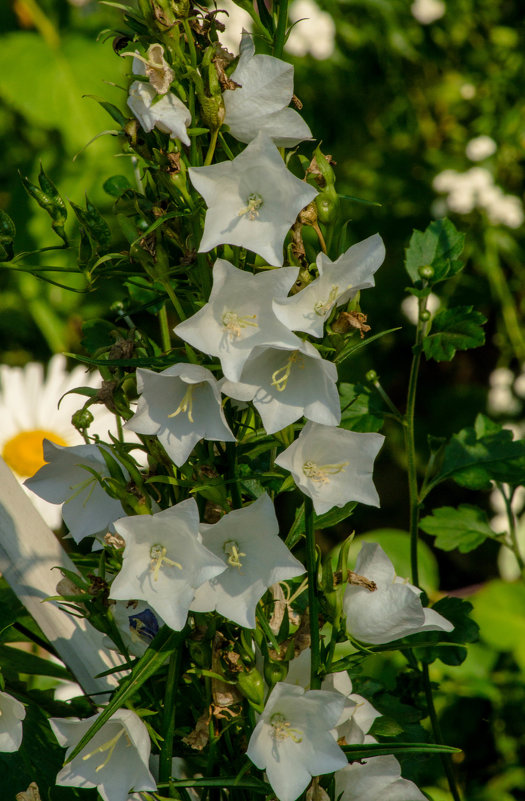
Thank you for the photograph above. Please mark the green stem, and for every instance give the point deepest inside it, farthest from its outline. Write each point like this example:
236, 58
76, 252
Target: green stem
164, 328
393, 408
515, 548
211, 148
280, 33
268, 633
174, 300
503, 293
313, 601
438, 737
413, 490
168, 718
191, 43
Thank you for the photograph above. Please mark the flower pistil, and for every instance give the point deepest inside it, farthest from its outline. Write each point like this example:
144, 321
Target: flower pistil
158, 557
283, 729
253, 204
320, 472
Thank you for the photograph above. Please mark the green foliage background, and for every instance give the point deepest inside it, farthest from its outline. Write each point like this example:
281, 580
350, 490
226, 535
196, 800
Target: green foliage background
390, 109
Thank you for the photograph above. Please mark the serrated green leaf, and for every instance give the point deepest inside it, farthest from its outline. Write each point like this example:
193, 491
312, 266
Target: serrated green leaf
465, 630
438, 247
152, 660
486, 452
454, 329
464, 528
360, 408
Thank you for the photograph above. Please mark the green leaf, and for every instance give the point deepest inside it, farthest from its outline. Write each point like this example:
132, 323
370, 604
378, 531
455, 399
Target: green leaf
464, 528
331, 518
385, 727
476, 456
465, 630
164, 644
499, 609
354, 347
357, 752
360, 408
7, 236
437, 247
24, 662
458, 328
93, 223
116, 185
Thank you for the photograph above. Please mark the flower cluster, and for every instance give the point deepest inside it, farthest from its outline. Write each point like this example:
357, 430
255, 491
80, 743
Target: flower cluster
238, 407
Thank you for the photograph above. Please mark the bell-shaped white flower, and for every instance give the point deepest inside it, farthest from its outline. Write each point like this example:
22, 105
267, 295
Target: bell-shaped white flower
67, 478
261, 101
375, 779
164, 561
293, 740
333, 466
357, 714
12, 713
285, 384
338, 281
248, 541
115, 761
252, 201
165, 112
239, 316
393, 609
181, 405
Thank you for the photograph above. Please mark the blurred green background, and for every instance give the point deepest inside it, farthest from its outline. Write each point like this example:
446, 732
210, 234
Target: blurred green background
404, 96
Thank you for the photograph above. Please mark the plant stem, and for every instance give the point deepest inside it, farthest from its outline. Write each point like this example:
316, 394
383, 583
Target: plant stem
174, 300
168, 718
211, 148
164, 328
515, 548
313, 602
438, 737
280, 33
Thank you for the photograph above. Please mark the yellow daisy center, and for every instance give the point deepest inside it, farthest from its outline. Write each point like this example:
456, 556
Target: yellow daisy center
24, 452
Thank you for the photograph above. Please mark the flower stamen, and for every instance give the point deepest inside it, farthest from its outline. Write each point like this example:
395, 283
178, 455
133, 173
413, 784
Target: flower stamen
108, 746
254, 203
231, 548
234, 323
280, 377
283, 729
322, 307
186, 405
321, 472
158, 557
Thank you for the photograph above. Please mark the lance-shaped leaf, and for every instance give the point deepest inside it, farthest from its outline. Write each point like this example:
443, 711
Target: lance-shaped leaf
7, 236
454, 329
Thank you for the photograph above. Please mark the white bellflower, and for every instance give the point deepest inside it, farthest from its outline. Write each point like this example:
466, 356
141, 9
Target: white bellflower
115, 760
164, 561
393, 609
293, 741
252, 201
285, 384
261, 101
180, 405
248, 541
338, 281
12, 713
333, 466
239, 316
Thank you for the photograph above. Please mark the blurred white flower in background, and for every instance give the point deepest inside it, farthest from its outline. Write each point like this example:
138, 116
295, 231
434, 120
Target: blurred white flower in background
30, 413
501, 399
481, 147
507, 563
236, 20
475, 188
427, 11
409, 307
314, 32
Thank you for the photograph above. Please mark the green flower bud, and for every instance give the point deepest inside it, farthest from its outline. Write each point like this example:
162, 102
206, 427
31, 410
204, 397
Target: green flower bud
327, 203
323, 168
82, 419
425, 316
426, 272
372, 376
275, 671
251, 685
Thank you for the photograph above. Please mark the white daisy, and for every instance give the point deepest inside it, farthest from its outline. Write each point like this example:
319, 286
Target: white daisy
30, 413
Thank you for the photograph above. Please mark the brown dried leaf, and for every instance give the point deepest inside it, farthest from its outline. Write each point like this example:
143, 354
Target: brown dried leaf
348, 320
198, 738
